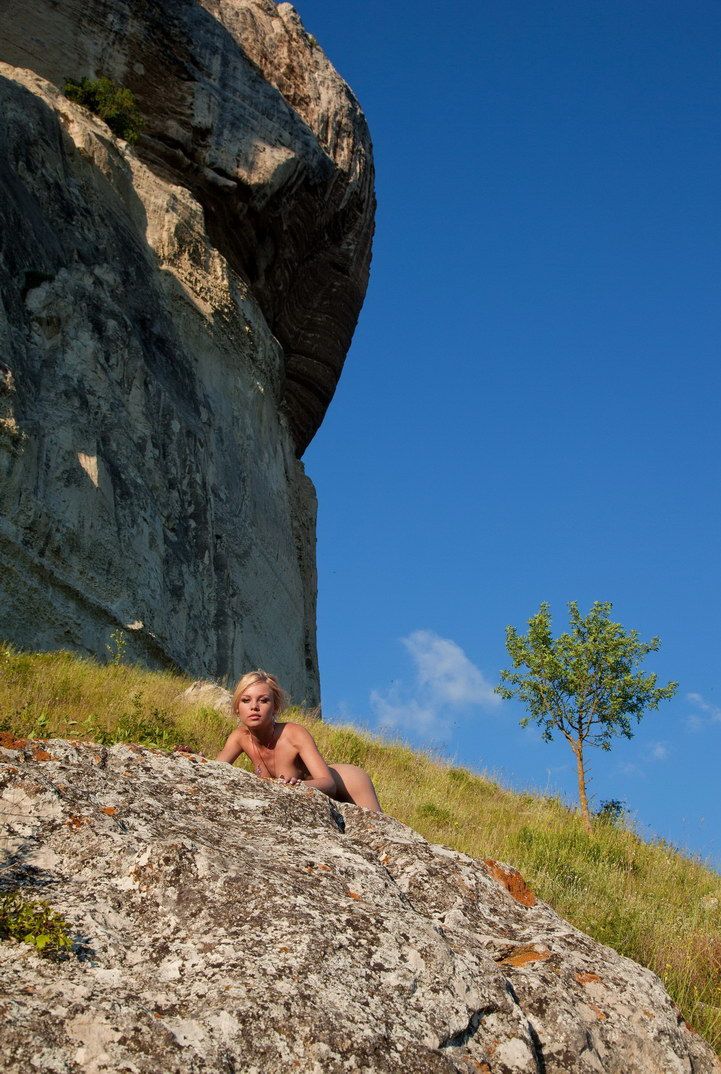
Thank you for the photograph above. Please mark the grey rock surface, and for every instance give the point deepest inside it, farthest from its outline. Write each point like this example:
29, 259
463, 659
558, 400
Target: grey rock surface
208, 694
174, 317
224, 923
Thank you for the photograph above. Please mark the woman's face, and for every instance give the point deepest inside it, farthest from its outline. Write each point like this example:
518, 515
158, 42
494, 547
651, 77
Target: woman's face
255, 705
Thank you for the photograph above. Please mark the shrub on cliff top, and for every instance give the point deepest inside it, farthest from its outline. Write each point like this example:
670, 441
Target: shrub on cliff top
114, 104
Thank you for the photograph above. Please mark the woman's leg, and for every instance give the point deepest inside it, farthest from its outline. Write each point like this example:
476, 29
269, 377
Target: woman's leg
353, 784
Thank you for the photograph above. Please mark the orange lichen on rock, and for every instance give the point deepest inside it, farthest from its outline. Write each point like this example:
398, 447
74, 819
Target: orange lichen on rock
521, 956
109, 810
586, 977
77, 821
42, 755
9, 742
512, 881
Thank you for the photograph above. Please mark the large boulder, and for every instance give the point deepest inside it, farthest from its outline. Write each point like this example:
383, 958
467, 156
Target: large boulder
224, 923
174, 319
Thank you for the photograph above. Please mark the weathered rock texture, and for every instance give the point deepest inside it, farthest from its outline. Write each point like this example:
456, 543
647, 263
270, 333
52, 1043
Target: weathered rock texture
208, 695
174, 320
229, 924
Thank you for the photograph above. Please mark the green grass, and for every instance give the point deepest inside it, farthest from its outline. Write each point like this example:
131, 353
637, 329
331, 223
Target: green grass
60, 695
646, 900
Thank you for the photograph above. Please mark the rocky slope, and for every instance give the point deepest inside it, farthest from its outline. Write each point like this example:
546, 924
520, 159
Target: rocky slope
174, 319
227, 924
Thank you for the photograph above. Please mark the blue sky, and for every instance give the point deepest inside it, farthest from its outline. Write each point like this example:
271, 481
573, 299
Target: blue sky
530, 407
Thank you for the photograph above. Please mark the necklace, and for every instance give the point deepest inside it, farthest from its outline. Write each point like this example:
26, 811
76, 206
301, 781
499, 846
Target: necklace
258, 760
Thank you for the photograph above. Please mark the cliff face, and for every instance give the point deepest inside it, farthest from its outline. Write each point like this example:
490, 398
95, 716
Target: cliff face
174, 320
223, 923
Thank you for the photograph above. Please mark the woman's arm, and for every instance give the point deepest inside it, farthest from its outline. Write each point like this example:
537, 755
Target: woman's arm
320, 774
232, 749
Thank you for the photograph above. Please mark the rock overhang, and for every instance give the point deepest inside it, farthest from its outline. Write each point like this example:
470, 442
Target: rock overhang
241, 106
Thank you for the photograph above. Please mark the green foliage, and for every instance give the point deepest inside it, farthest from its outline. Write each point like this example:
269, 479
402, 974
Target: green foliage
437, 815
459, 776
35, 923
117, 647
152, 727
155, 728
134, 721
41, 725
114, 104
349, 746
572, 850
612, 811
583, 683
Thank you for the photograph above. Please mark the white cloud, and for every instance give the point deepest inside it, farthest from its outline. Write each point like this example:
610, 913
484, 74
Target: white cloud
394, 714
446, 684
634, 771
654, 753
443, 667
711, 712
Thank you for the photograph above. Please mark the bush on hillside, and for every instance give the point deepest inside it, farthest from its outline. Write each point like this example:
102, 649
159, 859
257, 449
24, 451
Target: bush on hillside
612, 811
114, 104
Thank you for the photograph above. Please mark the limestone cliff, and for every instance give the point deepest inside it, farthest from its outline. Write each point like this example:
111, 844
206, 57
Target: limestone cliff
223, 923
174, 319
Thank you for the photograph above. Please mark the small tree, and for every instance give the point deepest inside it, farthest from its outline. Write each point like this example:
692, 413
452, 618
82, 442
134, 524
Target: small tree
114, 104
583, 683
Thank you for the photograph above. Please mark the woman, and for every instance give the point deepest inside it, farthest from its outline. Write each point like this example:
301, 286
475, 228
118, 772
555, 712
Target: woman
286, 752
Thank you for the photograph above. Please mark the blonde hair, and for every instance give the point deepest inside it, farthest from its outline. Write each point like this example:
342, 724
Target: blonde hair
274, 689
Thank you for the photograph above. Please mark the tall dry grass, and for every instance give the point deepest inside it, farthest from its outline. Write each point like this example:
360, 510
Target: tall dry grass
646, 900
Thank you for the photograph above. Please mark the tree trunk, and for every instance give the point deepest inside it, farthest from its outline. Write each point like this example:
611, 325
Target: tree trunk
582, 798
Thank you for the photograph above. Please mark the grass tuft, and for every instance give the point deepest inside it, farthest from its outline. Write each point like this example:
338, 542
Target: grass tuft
645, 899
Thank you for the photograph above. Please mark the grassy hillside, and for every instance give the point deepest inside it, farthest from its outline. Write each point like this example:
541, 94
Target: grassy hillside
645, 899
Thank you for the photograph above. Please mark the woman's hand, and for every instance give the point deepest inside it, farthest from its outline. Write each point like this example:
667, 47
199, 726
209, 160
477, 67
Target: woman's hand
289, 781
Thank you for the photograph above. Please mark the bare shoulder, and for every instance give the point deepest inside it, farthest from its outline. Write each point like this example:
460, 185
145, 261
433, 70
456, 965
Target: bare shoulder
297, 733
234, 746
